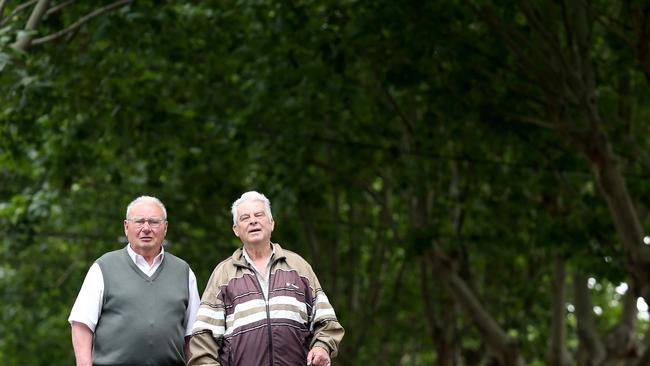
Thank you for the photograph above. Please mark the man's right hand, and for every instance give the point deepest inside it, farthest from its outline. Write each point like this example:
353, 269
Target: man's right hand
318, 356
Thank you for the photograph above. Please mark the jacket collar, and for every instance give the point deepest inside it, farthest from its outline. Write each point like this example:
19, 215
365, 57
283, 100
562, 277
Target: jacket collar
240, 261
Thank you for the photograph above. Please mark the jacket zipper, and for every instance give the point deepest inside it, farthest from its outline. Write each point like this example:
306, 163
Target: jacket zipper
268, 312
268, 319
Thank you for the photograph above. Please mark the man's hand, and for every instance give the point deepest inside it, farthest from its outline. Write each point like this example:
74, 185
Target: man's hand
318, 356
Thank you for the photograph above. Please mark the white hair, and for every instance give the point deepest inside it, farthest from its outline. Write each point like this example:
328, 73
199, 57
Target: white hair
251, 196
146, 199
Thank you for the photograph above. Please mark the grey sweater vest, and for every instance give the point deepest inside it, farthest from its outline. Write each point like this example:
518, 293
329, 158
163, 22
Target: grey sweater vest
141, 322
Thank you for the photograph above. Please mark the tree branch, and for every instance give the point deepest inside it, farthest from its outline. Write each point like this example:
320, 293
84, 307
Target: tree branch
535, 61
583, 48
17, 10
408, 125
531, 120
3, 3
551, 40
24, 38
58, 7
609, 23
79, 23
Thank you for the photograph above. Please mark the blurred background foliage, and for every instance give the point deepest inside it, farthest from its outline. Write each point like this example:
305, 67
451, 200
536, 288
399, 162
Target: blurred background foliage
468, 178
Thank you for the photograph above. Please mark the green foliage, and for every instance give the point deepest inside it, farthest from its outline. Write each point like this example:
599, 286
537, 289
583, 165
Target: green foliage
376, 128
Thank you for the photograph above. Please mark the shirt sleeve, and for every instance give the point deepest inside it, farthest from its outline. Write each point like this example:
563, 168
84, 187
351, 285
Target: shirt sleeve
88, 306
192, 305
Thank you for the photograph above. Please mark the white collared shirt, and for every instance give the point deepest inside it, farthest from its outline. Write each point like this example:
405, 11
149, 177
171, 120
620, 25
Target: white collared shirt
88, 306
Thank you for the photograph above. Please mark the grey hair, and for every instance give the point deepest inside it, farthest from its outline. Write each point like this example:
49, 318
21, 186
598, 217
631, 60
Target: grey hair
251, 196
146, 199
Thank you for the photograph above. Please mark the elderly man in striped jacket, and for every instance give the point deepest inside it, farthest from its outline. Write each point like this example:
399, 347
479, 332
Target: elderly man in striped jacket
264, 304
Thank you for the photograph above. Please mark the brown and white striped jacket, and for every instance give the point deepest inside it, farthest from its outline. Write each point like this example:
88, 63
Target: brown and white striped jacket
235, 325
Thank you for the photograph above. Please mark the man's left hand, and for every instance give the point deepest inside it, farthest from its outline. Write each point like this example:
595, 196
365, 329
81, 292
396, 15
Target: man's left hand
318, 356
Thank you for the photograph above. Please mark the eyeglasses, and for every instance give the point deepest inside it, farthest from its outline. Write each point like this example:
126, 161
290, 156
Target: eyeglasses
153, 222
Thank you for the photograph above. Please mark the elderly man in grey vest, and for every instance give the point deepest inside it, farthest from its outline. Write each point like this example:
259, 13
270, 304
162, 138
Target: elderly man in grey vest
137, 304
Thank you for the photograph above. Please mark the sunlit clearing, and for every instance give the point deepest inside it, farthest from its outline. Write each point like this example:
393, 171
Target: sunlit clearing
646, 240
598, 310
622, 288
643, 309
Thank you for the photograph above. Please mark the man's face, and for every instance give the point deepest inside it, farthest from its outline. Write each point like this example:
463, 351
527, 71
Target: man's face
253, 224
145, 237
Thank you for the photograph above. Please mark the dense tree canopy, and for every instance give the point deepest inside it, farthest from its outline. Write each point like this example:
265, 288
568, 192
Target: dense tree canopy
466, 178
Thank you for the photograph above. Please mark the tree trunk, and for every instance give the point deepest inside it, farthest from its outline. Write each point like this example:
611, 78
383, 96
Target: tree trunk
620, 341
619, 202
440, 322
557, 353
503, 348
641, 22
591, 351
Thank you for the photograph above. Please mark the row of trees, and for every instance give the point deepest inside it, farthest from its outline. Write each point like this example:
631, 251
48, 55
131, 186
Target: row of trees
467, 178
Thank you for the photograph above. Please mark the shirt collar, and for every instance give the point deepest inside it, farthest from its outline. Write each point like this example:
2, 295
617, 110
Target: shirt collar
248, 259
135, 257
